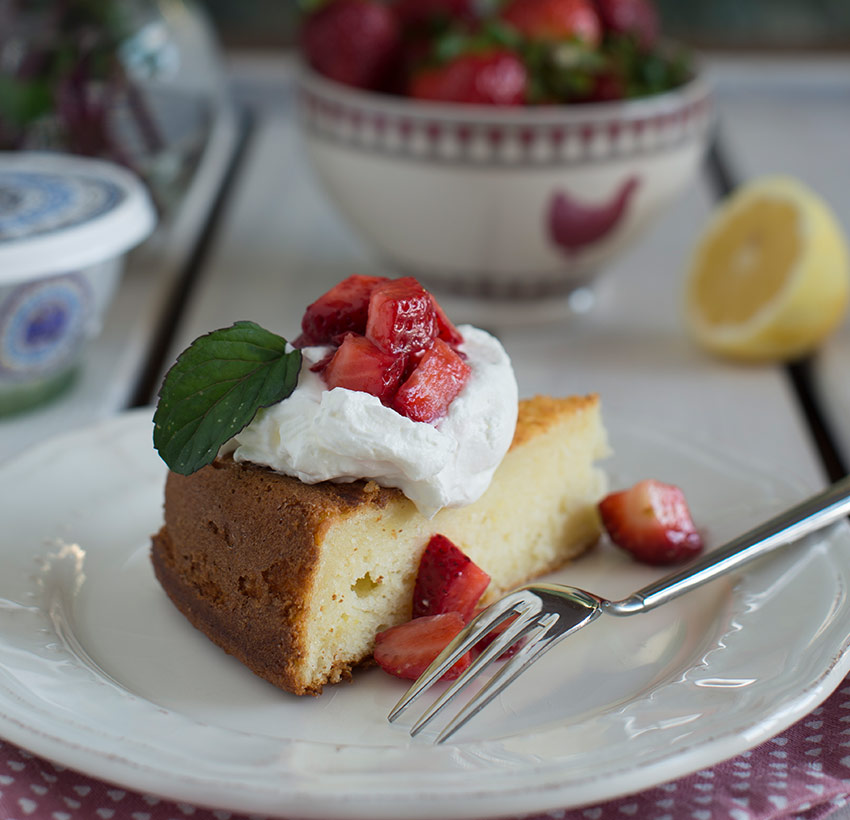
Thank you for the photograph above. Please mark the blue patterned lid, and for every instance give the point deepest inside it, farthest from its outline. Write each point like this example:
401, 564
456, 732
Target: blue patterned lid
60, 212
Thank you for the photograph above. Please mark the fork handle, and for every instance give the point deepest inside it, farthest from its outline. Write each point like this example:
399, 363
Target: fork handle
806, 517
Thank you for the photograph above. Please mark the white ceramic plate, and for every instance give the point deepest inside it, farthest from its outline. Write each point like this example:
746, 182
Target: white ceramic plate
100, 673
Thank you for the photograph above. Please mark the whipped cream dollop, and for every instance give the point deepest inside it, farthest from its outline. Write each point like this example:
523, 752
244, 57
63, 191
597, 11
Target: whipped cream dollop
343, 435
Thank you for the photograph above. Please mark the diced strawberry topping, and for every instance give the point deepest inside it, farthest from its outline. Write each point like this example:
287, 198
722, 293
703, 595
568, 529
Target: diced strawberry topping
411, 363
445, 327
401, 316
407, 650
319, 366
358, 365
386, 333
344, 308
447, 581
652, 521
435, 382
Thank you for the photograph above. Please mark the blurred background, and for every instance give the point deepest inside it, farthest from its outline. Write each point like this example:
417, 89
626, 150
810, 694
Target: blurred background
763, 24
174, 90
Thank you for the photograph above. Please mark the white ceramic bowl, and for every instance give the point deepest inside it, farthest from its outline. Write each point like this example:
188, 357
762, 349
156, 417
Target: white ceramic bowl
504, 203
65, 225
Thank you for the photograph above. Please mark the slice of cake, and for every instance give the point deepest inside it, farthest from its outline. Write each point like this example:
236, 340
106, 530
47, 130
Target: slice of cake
296, 579
307, 480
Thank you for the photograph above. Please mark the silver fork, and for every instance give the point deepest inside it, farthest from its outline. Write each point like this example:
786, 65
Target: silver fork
548, 613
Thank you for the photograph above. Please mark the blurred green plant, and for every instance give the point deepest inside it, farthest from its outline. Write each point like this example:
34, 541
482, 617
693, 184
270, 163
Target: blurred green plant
130, 81
61, 74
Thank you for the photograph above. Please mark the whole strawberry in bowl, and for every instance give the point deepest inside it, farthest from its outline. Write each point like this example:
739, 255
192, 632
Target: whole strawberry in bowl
354, 42
502, 151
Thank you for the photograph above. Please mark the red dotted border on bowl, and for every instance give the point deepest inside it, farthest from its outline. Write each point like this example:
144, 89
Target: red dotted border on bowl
479, 143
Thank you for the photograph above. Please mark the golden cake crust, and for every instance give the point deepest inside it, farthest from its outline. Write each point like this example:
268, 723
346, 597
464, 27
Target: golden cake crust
250, 601
240, 544
541, 413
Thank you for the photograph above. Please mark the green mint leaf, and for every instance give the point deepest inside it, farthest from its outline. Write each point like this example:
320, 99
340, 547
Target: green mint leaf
214, 390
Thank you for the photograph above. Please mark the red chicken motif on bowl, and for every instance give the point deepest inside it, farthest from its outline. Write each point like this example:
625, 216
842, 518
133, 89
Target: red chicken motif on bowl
573, 224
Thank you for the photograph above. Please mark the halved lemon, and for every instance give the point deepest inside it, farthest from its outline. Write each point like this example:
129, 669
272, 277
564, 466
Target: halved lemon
769, 278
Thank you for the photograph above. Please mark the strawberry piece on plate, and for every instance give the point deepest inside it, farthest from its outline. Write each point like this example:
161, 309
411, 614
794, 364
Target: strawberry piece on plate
355, 42
555, 19
494, 633
407, 650
652, 521
401, 316
358, 365
494, 77
433, 385
447, 580
344, 308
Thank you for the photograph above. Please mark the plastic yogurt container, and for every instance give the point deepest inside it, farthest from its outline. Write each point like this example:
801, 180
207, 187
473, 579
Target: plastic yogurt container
66, 223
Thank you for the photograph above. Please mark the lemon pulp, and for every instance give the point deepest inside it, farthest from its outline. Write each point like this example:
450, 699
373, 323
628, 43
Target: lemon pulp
769, 277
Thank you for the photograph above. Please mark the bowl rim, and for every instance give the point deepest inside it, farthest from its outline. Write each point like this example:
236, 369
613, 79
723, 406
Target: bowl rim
696, 90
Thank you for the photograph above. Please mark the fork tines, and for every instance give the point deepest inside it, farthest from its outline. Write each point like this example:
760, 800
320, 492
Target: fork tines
523, 604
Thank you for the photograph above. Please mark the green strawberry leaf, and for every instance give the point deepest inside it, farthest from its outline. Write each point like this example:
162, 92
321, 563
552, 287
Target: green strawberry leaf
214, 390
456, 41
